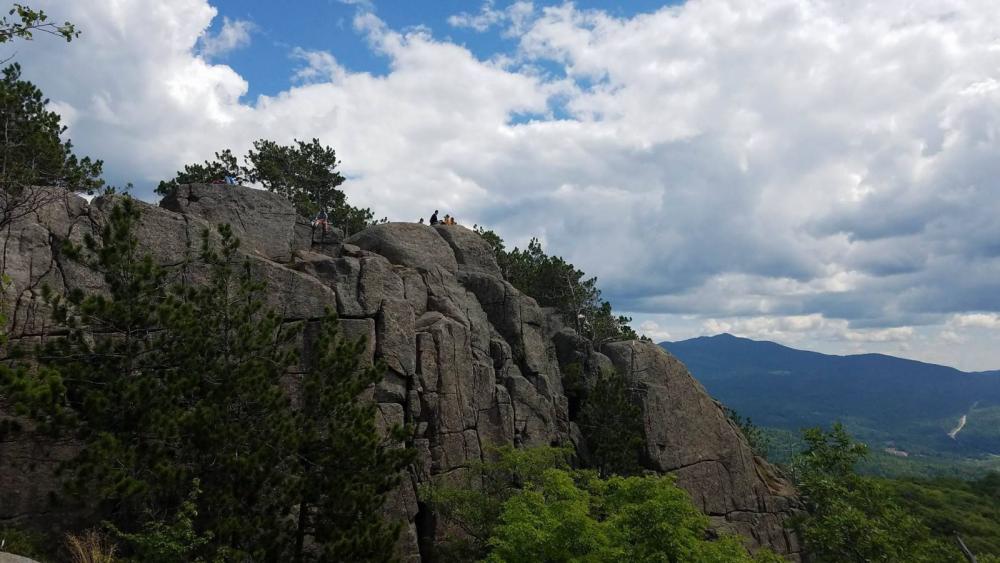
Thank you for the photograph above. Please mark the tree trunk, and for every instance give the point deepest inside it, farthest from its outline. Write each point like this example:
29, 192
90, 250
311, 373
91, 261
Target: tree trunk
965, 550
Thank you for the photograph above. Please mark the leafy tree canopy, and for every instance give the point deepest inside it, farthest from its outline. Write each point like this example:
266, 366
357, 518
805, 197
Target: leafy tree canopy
852, 518
950, 506
26, 21
532, 507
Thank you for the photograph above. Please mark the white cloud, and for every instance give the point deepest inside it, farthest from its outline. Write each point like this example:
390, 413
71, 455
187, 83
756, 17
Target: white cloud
365, 4
517, 15
487, 17
892, 334
796, 329
653, 331
235, 34
976, 320
810, 169
318, 66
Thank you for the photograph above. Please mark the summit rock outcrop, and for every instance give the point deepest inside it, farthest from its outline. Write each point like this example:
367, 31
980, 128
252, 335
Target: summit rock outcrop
471, 361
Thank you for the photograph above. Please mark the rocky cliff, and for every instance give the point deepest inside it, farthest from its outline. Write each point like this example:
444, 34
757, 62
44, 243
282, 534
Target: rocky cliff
471, 360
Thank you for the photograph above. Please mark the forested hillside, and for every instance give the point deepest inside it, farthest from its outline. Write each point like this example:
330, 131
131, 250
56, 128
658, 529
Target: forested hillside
889, 402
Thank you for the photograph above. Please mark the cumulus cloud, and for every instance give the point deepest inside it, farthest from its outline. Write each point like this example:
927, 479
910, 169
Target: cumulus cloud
487, 17
653, 330
235, 34
317, 66
976, 320
811, 169
515, 16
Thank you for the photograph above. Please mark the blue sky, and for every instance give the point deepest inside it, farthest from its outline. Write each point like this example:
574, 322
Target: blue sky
820, 173
325, 25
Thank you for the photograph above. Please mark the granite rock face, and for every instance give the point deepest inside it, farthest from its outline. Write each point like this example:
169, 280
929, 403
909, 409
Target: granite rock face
472, 362
688, 435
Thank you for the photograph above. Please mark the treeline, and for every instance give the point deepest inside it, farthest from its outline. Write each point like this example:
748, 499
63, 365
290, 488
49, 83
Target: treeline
855, 515
950, 507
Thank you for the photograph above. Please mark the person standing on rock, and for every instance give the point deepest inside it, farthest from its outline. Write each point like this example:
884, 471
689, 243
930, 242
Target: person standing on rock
434, 218
322, 220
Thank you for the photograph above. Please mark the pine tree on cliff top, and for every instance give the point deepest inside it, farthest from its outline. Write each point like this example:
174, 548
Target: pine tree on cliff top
33, 156
304, 172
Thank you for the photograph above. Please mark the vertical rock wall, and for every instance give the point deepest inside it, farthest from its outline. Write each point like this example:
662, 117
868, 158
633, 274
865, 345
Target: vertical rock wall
471, 361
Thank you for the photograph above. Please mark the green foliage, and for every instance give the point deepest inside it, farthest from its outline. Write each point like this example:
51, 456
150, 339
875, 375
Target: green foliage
550, 520
759, 440
24, 543
473, 509
574, 382
567, 516
305, 173
852, 518
33, 153
950, 506
531, 507
344, 468
554, 282
165, 385
612, 426
610, 422
167, 542
225, 164
28, 21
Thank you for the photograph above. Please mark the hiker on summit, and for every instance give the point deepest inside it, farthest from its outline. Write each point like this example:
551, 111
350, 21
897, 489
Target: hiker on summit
434, 218
322, 220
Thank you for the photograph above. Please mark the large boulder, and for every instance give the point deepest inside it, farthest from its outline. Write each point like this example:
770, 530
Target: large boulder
265, 222
407, 244
472, 251
11, 558
688, 434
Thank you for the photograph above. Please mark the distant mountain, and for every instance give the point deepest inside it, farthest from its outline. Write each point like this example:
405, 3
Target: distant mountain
888, 401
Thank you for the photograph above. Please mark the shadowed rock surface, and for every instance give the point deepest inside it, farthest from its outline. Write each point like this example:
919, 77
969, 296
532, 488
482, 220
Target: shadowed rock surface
471, 360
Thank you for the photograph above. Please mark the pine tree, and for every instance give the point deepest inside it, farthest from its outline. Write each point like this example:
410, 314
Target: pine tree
32, 152
345, 466
167, 384
172, 387
304, 173
225, 164
612, 426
